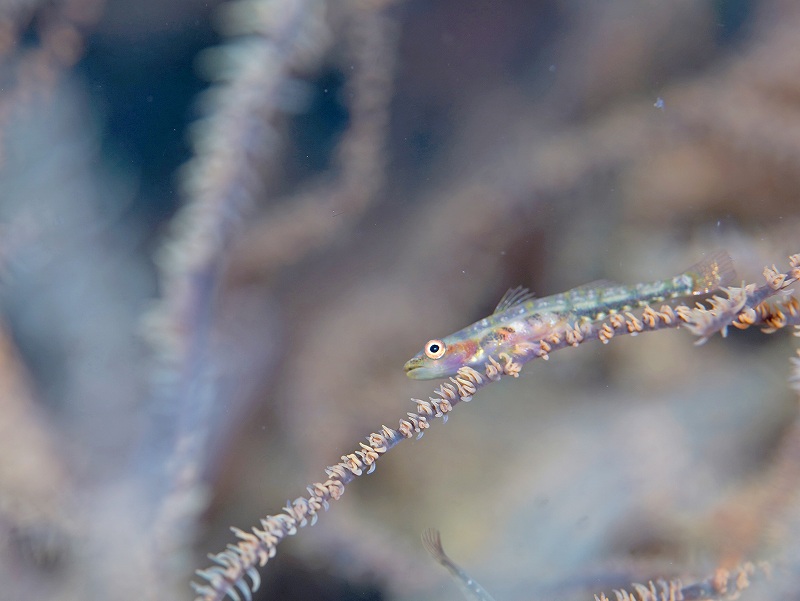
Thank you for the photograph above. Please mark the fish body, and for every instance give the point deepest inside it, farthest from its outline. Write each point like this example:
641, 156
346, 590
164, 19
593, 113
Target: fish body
520, 320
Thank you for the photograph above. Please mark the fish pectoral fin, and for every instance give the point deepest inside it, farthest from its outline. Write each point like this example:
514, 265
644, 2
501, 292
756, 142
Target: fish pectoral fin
715, 271
512, 298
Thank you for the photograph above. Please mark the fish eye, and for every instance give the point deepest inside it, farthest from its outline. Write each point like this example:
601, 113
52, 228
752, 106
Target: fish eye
435, 349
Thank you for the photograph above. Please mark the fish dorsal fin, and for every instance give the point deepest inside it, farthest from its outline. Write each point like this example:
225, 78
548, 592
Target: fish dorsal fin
513, 297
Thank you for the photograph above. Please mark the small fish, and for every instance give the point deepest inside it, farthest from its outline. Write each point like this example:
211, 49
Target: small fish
520, 319
432, 542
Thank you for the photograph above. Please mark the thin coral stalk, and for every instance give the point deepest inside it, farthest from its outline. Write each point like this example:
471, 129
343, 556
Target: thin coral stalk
723, 584
256, 547
300, 225
221, 181
747, 306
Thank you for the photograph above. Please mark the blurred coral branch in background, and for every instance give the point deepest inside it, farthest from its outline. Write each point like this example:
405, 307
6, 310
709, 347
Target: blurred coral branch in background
209, 290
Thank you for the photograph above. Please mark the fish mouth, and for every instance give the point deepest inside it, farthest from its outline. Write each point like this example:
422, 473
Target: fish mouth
410, 366
414, 369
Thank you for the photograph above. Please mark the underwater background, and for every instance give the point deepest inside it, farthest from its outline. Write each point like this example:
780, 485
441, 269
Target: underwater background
225, 227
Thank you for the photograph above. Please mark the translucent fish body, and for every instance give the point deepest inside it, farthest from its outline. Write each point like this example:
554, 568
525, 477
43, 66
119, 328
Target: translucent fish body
520, 321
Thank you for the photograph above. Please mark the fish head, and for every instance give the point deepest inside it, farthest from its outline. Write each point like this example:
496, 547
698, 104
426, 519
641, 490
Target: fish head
441, 358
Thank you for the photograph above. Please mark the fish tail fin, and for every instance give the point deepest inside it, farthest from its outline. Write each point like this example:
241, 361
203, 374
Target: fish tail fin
715, 271
432, 541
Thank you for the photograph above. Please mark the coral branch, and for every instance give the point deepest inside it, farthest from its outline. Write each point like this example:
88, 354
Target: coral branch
724, 584
747, 306
221, 181
300, 225
256, 547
